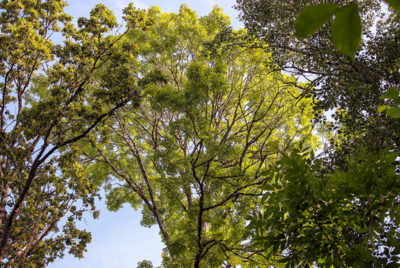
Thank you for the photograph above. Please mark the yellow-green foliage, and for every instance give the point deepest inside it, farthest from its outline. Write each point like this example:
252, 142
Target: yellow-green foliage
209, 124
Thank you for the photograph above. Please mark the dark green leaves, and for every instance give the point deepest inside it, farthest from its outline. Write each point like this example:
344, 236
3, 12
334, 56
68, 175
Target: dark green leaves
391, 95
395, 4
393, 112
311, 19
324, 217
346, 27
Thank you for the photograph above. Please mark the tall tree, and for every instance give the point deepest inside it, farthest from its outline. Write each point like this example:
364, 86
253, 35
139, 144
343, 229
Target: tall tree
327, 211
195, 151
310, 215
351, 86
51, 97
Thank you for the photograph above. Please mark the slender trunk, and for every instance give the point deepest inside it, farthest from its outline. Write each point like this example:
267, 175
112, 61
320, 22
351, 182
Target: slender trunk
200, 228
3, 201
14, 212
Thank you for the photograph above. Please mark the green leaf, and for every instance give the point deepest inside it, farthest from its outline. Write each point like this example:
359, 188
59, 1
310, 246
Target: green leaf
393, 112
392, 93
395, 4
346, 29
312, 18
381, 108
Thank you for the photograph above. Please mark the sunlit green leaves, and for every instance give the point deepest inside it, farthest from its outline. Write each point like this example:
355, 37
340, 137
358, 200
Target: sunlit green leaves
53, 96
382, 108
208, 124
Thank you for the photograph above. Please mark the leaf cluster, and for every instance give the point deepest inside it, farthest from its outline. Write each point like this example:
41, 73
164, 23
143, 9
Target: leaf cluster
342, 218
51, 97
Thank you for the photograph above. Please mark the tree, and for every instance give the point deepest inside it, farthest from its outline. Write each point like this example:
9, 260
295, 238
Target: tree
345, 218
350, 86
345, 29
209, 124
51, 97
145, 264
327, 211
346, 35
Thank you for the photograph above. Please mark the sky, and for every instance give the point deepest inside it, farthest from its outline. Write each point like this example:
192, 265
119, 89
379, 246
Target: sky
81, 8
118, 239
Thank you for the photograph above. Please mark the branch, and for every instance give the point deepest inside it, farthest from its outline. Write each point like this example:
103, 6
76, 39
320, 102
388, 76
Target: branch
236, 193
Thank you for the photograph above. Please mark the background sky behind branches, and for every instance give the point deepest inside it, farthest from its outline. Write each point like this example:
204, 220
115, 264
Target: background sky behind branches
118, 240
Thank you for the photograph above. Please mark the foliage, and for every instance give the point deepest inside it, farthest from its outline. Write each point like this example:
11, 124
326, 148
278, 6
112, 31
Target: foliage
393, 110
346, 32
144, 264
211, 142
327, 212
209, 124
346, 28
51, 97
395, 4
351, 88
310, 215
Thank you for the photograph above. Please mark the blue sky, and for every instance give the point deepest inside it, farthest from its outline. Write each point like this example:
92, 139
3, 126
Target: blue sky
81, 8
118, 239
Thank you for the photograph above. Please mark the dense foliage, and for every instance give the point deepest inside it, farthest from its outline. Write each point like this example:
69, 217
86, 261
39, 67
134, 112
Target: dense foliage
51, 97
350, 86
345, 218
340, 208
209, 124
211, 132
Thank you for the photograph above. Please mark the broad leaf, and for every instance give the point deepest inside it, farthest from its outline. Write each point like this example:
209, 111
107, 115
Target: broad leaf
313, 17
346, 29
382, 108
395, 4
392, 93
393, 112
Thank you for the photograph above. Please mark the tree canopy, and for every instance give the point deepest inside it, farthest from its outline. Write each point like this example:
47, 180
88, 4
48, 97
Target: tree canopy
209, 124
350, 86
341, 207
51, 97
213, 133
